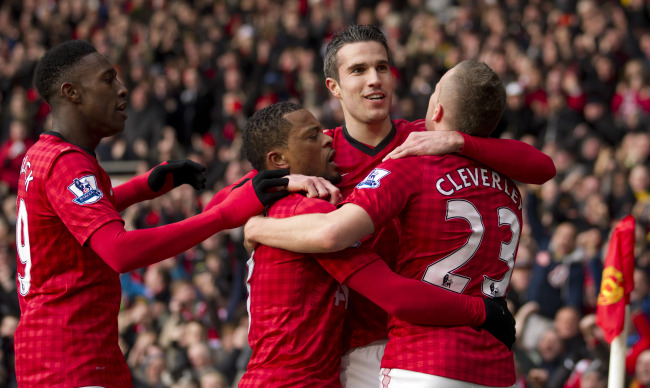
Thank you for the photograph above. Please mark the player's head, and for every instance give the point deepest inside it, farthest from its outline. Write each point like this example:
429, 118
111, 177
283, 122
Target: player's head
352, 34
286, 135
74, 75
357, 68
470, 98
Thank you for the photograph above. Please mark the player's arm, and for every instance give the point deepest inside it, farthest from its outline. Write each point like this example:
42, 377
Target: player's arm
125, 251
314, 187
158, 181
222, 194
514, 158
415, 301
312, 233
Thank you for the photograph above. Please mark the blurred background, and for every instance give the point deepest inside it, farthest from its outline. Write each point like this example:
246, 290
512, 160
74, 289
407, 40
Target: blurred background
577, 76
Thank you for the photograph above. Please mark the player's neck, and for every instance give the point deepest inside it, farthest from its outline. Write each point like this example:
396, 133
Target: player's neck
74, 132
369, 134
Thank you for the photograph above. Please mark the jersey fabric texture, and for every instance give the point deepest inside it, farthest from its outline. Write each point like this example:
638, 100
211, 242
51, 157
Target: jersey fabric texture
297, 308
69, 297
366, 322
460, 225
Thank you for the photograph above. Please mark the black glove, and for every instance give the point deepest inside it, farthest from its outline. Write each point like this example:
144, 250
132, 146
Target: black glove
499, 321
184, 171
270, 179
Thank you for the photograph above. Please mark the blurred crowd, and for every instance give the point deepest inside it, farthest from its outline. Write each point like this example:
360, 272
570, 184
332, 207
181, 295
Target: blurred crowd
577, 76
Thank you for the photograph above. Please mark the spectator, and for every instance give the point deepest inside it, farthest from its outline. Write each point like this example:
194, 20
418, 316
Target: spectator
12, 152
642, 371
558, 276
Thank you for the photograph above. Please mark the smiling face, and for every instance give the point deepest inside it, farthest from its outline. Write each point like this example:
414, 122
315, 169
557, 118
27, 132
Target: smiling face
101, 96
365, 83
309, 151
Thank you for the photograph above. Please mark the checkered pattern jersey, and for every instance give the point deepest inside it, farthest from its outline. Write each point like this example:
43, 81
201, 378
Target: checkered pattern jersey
69, 299
297, 308
366, 322
460, 224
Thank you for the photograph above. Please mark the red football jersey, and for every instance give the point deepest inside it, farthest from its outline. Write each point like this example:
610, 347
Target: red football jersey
69, 297
366, 322
460, 225
355, 159
297, 308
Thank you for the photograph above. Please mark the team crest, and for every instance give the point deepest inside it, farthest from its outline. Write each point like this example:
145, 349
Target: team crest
611, 288
85, 190
372, 180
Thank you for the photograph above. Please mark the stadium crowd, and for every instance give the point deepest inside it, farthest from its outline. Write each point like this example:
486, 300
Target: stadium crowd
577, 76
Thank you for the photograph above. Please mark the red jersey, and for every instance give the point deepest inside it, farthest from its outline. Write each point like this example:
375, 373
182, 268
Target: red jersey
366, 322
297, 308
460, 225
69, 297
355, 159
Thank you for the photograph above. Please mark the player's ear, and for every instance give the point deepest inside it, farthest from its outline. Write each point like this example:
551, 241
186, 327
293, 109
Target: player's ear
70, 92
277, 160
437, 113
333, 86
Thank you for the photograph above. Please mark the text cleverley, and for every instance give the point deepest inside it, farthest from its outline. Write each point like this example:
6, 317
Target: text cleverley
462, 178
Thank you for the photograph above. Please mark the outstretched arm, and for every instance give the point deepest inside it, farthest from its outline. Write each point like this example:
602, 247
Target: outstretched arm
125, 251
514, 158
158, 181
315, 187
312, 233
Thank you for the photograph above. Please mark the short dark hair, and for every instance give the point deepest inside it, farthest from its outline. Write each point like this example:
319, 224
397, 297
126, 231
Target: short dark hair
265, 130
352, 34
56, 63
477, 98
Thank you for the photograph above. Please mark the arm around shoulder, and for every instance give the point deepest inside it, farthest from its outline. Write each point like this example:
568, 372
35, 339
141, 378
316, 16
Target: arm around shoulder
312, 233
516, 159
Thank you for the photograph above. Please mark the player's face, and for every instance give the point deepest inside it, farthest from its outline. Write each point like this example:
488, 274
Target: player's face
365, 85
310, 151
103, 97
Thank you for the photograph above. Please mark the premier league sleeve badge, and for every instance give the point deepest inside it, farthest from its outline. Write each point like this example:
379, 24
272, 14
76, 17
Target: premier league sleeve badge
85, 190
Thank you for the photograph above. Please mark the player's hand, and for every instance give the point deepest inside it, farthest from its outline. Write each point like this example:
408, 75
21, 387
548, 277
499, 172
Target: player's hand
316, 187
270, 185
428, 143
182, 171
499, 321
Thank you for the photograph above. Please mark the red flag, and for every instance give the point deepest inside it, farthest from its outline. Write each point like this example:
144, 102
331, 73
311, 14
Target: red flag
618, 280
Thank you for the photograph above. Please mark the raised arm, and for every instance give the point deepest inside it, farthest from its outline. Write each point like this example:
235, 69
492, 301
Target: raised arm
514, 158
312, 233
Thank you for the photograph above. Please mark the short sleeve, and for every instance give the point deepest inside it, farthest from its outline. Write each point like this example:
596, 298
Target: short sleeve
80, 193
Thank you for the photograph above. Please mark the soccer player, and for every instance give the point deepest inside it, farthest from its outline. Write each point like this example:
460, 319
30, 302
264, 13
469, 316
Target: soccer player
460, 223
357, 68
70, 237
297, 302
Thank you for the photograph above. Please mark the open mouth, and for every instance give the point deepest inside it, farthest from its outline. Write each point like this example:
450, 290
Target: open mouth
121, 107
375, 96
